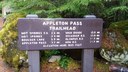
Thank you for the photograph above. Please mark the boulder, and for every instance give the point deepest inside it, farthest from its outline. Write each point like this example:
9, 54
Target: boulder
114, 47
54, 58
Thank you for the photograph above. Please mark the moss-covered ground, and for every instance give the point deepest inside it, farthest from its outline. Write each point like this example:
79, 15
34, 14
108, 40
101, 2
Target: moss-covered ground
73, 66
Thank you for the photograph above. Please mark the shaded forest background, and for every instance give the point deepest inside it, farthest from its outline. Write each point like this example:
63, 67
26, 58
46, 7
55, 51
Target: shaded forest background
114, 47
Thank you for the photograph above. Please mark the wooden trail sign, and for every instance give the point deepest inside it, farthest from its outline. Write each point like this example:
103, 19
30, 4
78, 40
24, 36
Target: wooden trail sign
59, 33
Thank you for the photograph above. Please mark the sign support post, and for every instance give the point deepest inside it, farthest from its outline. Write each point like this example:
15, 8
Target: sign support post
88, 55
33, 56
34, 61
87, 60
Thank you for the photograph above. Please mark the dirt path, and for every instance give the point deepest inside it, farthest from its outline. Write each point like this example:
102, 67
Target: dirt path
4, 67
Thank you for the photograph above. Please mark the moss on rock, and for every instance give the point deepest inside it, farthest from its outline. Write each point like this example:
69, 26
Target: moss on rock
114, 47
9, 37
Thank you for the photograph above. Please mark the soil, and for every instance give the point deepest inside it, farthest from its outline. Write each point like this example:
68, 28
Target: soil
4, 67
54, 67
99, 66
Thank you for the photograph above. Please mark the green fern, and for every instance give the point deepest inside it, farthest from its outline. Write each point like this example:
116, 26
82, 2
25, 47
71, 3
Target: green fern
115, 14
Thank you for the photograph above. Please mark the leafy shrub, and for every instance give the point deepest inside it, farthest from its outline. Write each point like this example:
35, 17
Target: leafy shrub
115, 14
63, 62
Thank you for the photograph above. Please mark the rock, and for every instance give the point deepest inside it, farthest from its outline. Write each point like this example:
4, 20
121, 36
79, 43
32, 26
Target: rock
54, 58
117, 68
120, 58
114, 47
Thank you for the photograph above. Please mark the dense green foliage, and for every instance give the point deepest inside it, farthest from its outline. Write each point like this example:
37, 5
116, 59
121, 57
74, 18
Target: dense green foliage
111, 11
115, 14
122, 26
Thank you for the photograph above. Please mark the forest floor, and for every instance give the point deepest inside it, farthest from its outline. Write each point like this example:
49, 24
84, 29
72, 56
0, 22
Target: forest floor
4, 67
99, 66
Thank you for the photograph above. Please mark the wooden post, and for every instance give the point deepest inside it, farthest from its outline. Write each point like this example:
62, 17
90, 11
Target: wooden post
88, 55
33, 56
87, 60
34, 61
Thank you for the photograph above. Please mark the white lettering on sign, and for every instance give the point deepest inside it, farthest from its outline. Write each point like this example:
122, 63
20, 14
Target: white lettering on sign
35, 32
72, 36
95, 37
58, 23
62, 28
77, 23
51, 23
62, 25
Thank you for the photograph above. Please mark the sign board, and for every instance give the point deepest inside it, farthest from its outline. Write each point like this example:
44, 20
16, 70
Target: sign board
59, 33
